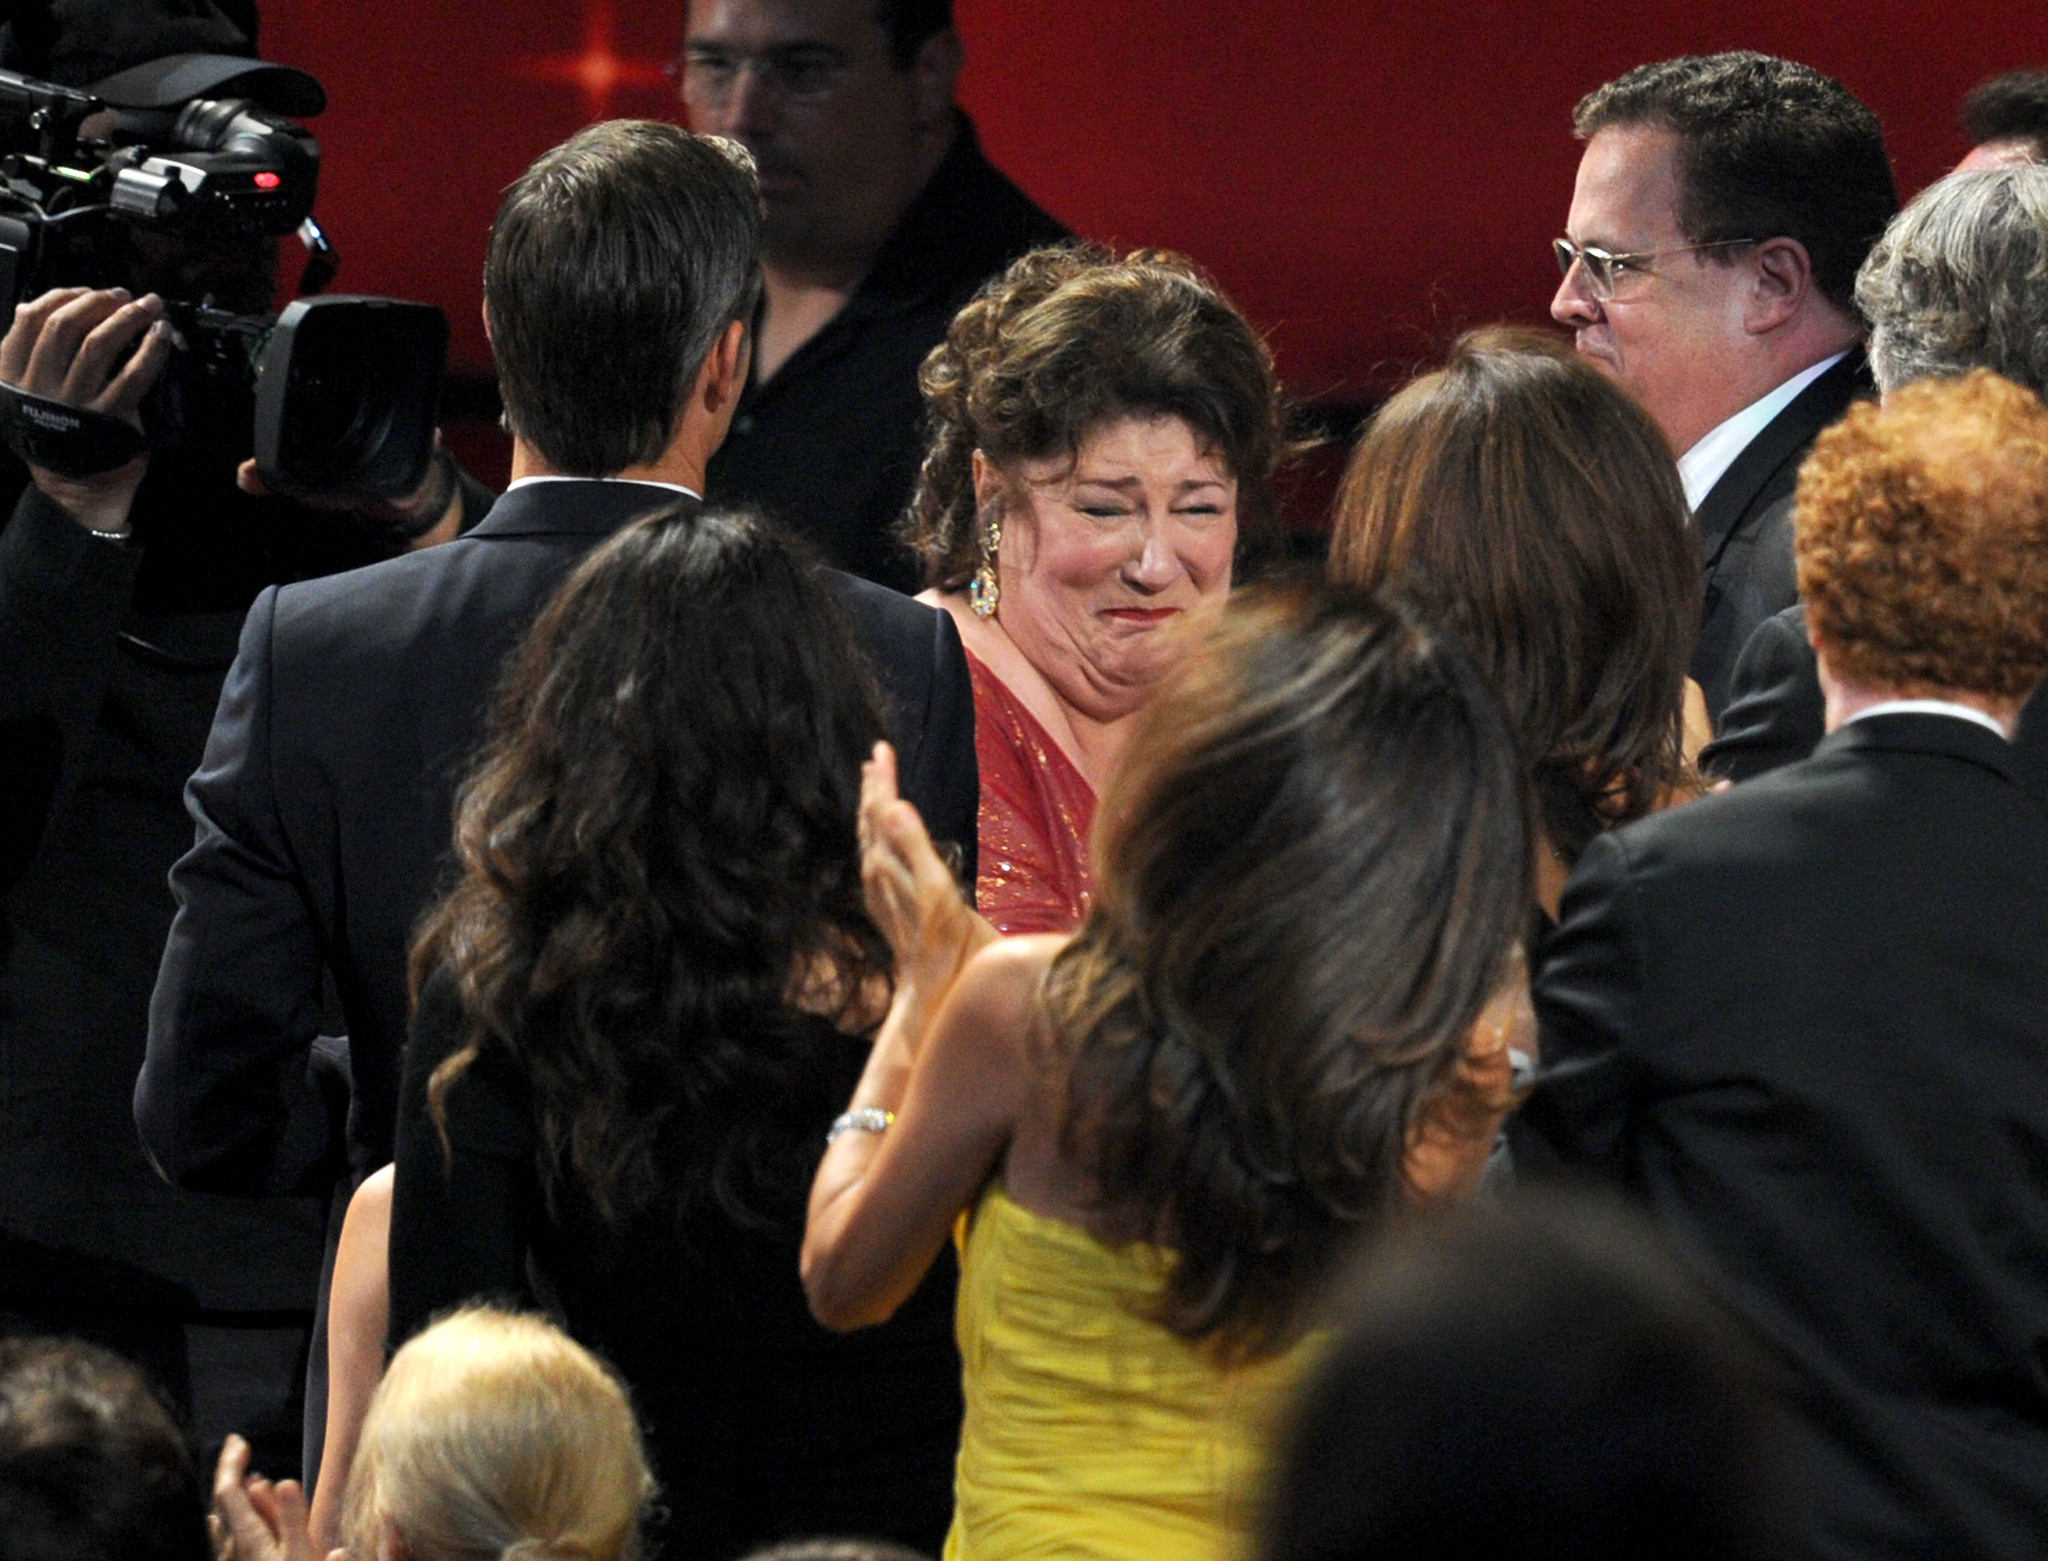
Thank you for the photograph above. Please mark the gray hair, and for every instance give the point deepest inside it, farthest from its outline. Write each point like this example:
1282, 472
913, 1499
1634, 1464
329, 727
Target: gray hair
615, 265
1960, 281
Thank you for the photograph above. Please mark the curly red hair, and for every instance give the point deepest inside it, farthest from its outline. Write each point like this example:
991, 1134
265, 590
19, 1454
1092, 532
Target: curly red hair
1921, 531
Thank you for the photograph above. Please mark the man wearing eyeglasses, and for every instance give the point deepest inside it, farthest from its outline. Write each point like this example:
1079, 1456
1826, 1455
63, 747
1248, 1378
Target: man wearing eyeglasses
1722, 207
882, 219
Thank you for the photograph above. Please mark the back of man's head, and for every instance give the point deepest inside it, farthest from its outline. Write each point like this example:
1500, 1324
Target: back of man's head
1920, 528
2012, 107
616, 262
909, 22
91, 1467
1960, 281
1771, 149
1526, 1385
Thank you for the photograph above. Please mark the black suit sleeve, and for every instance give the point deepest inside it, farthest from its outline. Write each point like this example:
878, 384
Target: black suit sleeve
943, 771
458, 1217
230, 1098
63, 593
916, 655
1590, 1009
1775, 712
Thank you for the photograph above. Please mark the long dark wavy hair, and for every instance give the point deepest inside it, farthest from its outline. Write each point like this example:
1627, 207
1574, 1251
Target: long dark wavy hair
1314, 870
660, 882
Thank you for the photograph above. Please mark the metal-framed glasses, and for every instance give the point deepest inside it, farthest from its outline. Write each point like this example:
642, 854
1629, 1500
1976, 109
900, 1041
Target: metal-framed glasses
1605, 269
795, 73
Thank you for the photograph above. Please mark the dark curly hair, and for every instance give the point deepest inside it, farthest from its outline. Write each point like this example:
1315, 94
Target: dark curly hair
1526, 503
1070, 338
2011, 107
660, 882
1314, 872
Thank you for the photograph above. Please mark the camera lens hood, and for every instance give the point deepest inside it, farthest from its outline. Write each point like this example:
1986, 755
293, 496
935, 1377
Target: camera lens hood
178, 78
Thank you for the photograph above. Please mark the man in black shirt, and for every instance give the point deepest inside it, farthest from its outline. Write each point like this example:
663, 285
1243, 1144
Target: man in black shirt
883, 218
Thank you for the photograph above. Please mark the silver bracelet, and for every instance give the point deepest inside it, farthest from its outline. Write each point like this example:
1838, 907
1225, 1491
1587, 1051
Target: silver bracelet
869, 1119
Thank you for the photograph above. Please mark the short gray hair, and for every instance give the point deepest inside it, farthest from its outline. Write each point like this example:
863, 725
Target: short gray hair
1960, 281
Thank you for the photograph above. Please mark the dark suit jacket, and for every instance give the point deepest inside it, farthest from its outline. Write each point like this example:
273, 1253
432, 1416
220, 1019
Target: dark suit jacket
1776, 712
1806, 1024
323, 808
1745, 525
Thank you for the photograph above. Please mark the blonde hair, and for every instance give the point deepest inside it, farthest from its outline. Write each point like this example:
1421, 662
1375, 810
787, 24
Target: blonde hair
496, 1437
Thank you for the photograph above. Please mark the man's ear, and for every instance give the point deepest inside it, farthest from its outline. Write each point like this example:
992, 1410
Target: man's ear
936, 68
724, 374
485, 311
1781, 278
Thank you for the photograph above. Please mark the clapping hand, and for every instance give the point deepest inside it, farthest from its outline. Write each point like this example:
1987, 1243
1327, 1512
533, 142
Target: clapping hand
254, 1519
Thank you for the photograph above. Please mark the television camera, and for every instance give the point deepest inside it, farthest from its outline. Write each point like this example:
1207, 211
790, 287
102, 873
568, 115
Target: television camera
335, 397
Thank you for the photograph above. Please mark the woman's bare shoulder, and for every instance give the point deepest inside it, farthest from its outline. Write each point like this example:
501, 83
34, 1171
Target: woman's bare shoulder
1003, 978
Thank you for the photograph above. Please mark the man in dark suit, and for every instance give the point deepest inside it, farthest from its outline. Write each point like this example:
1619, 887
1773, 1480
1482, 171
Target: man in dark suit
1805, 1022
1959, 281
622, 267
1721, 209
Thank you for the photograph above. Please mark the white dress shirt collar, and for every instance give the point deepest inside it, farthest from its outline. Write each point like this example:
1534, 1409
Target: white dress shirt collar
1708, 461
644, 482
1930, 707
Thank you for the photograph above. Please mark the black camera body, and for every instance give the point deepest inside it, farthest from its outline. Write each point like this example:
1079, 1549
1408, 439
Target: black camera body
336, 397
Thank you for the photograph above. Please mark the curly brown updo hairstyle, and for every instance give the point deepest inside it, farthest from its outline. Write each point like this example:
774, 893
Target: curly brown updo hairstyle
657, 857
1523, 501
1314, 872
1920, 528
1070, 338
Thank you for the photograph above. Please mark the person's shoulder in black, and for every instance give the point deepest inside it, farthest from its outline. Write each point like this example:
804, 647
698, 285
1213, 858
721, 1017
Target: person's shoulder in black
1776, 711
760, 1424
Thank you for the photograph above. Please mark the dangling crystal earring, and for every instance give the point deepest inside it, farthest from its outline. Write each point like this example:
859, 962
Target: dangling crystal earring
985, 591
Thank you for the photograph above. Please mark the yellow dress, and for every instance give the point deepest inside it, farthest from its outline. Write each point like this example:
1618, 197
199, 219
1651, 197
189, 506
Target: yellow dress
1092, 1431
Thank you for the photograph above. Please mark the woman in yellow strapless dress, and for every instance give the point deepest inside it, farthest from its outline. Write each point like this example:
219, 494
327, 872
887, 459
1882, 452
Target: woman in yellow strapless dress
1286, 1017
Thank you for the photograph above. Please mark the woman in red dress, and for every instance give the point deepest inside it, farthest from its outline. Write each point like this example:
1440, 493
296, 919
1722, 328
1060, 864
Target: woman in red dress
1104, 433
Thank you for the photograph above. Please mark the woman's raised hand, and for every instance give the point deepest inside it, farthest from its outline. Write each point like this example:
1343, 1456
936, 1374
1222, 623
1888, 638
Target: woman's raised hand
910, 891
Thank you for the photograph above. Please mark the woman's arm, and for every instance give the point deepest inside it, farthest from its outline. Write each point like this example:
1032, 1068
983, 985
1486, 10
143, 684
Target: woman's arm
948, 1062
883, 1203
358, 1306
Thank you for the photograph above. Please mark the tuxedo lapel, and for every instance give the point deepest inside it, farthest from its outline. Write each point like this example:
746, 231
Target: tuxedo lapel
1765, 470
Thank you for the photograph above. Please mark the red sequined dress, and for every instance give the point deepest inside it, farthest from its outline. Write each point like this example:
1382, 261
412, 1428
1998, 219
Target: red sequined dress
1035, 812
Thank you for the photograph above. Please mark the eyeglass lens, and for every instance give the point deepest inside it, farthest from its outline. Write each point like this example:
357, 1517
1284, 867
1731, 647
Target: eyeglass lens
1598, 264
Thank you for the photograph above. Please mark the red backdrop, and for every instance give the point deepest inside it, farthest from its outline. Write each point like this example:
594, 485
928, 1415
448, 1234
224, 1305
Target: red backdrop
1365, 179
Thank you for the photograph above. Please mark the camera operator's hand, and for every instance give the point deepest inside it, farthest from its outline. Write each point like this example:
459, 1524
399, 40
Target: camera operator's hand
73, 344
